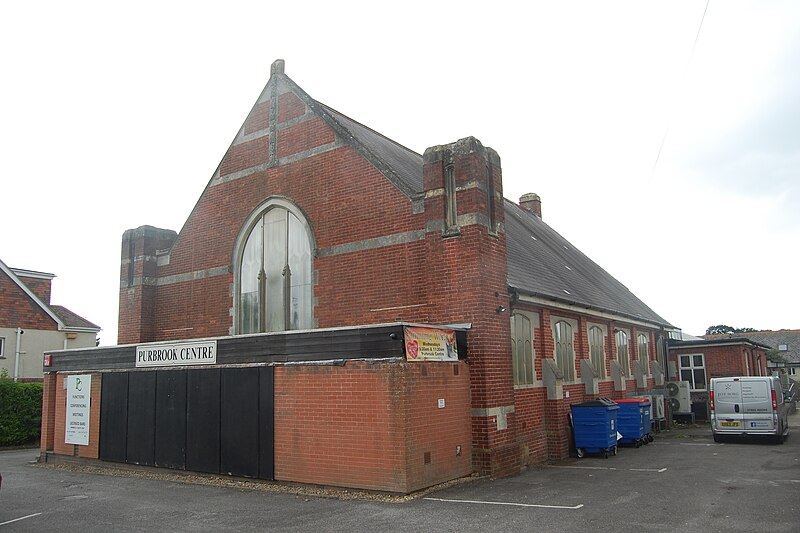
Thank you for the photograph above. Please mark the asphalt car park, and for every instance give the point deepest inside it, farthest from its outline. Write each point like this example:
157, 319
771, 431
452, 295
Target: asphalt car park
682, 481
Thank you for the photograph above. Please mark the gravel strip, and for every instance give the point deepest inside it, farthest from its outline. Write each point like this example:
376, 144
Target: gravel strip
251, 484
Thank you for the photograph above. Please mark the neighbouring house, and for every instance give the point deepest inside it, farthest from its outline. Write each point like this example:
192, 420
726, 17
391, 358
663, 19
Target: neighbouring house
785, 347
697, 361
30, 325
280, 334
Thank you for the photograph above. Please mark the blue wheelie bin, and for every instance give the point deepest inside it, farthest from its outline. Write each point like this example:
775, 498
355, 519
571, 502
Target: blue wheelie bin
594, 424
634, 421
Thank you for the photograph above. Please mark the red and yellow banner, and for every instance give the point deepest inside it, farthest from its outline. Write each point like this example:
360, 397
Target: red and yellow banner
430, 344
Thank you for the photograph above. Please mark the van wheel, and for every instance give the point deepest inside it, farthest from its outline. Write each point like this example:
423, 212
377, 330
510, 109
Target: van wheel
717, 438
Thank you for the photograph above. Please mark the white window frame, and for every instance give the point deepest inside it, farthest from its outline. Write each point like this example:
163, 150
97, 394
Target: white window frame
791, 371
2, 347
528, 360
569, 373
692, 368
603, 332
626, 368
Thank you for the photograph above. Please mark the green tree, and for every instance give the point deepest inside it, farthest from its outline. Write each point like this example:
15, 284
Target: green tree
720, 330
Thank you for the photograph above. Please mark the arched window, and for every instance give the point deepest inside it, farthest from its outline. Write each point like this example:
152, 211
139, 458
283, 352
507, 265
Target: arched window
522, 354
622, 352
274, 274
644, 356
660, 353
565, 354
597, 351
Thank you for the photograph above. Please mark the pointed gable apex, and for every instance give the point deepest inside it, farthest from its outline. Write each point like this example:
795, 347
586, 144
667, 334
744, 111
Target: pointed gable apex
29, 293
283, 102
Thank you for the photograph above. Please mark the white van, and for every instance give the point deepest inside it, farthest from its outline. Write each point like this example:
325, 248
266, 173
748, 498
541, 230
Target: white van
748, 405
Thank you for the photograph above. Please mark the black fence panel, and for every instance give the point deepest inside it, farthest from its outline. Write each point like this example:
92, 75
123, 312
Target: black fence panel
266, 423
114, 416
239, 450
170, 437
141, 418
203, 420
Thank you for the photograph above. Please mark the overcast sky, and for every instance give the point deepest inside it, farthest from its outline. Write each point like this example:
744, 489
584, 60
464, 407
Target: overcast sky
114, 115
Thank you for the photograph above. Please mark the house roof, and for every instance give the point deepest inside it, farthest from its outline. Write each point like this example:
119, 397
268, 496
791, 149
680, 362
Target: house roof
63, 317
540, 261
72, 320
716, 342
774, 340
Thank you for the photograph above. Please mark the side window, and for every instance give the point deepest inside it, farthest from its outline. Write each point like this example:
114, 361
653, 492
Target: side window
522, 354
565, 352
644, 356
274, 277
2, 346
693, 369
597, 350
622, 352
660, 353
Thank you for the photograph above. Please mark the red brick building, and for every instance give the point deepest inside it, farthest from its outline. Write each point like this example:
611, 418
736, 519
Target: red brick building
314, 224
699, 360
31, 325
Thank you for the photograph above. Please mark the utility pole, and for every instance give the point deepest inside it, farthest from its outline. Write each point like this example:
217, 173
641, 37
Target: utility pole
20, 331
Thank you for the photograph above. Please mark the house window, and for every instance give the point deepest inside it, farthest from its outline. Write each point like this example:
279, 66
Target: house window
622, 352
2, 347
275, 272
522, 354
451, 215
597, 352
792, 371
644, 357
565, 353
693, 370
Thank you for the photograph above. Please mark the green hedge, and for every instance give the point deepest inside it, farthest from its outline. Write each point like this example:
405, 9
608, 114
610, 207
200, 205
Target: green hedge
20, 412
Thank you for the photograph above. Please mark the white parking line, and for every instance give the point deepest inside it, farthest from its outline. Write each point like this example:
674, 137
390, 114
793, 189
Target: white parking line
21, 518
508, 503
657, 470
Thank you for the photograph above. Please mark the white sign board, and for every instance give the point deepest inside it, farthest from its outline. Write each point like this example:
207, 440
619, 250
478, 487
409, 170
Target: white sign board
178, 354
79, 390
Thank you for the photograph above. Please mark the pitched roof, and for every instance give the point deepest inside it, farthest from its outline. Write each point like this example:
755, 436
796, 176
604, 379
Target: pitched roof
543, 263
66, 319
72, 320
384, 153
540, 261
774, 339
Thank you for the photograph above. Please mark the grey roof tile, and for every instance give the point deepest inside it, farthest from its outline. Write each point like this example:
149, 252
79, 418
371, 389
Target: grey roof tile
543, 263
71, 319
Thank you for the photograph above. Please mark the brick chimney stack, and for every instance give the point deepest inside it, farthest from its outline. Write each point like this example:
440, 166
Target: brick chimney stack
531, 202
